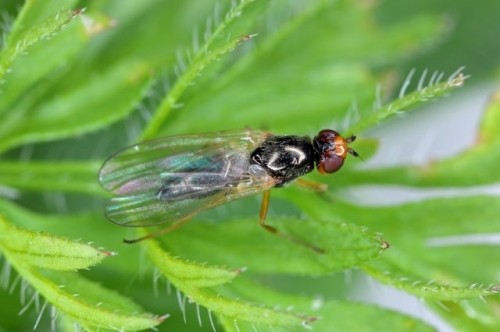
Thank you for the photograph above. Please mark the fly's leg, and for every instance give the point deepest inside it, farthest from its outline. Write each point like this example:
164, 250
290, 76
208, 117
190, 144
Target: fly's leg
158, 232
317, 187
264, 206
311, 185
262, 222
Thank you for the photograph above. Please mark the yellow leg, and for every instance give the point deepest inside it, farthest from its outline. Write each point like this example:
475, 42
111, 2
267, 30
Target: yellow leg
262, 222
311, 185
158, 232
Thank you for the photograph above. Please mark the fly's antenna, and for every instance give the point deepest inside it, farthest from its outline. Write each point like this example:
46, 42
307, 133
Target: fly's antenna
355, 154
349, 140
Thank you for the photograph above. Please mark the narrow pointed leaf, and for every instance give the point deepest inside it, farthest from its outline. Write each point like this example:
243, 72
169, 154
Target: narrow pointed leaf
193, 279
47, 251
472, 167
56, 118
388, 271
58, 176
17, 46
244, 243
83, 301
333, 314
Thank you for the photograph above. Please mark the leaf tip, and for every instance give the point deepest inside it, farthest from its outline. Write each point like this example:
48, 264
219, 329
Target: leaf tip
161, 319
241, 270
309, 319
459, 80
96, 23
247, 37
78, 11
384, 245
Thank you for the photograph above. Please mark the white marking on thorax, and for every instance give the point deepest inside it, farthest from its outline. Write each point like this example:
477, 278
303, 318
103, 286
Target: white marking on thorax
301, 155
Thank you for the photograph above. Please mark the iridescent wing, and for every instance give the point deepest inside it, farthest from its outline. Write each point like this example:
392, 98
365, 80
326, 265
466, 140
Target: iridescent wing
174, 177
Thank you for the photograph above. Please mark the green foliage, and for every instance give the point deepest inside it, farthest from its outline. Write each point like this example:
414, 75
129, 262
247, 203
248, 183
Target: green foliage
79, 84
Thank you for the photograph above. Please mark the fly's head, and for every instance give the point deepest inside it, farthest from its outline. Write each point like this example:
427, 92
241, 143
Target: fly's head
331, 149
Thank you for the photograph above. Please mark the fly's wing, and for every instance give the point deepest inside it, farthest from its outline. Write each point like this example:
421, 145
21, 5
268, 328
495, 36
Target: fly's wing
175, 177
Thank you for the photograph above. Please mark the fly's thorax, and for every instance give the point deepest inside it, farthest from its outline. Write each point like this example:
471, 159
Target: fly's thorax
284, 158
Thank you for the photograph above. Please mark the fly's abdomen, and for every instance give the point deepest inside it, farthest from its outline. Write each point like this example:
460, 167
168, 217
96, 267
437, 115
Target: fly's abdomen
205, 177
183, 185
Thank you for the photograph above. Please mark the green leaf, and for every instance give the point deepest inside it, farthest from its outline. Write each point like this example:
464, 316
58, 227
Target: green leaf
202, 59
86, 226
17, 46
35, 13
409, 100
117, 89
333, 315
473, 167
345, 246
193, 279
469, 315
192, 274
96, 307
63, 176
47, 251
431, 222
232, 243
27, 80
426, 237
304, 69
389, 270
114, 309
440, 229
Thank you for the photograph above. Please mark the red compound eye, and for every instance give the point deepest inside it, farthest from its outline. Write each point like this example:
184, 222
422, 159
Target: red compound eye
331, 164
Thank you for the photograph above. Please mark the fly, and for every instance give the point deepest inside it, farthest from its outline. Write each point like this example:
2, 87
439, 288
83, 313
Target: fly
173, 178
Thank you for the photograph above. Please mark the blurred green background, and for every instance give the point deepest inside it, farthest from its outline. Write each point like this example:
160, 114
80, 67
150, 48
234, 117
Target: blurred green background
80, 96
